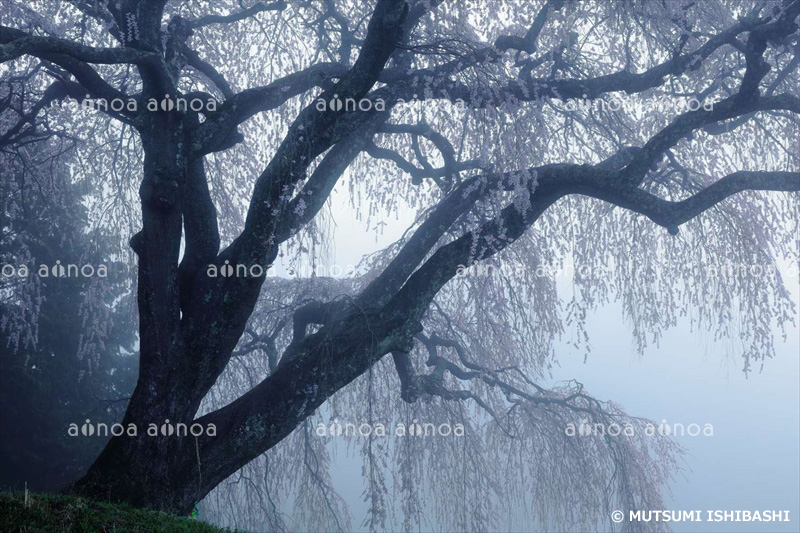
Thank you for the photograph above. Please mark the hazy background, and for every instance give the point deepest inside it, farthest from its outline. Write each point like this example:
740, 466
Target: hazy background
752, 462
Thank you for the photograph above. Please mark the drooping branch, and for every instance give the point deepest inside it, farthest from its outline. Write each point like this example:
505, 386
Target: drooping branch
256, 8
672, 214
451, 167
413, 386
531, 89
54, 91
88, 82
107, 15
362, 335
210, 136
413, 299
15, 44
265, 342
419, 174
93, 84
719, 129
682, 126
331, 358
438, 222
195, 61
313, 132
377, 152
347, 346
310, 199
528, 42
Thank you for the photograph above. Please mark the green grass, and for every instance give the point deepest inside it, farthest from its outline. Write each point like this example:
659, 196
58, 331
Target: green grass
56, 513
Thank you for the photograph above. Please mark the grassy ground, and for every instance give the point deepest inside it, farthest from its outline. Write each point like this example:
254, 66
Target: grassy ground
55, 513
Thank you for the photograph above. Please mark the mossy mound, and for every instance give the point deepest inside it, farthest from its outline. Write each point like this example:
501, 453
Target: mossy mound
57, 513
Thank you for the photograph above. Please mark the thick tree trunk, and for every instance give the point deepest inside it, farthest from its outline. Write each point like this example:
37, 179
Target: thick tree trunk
171, 473
190, 324
145, 471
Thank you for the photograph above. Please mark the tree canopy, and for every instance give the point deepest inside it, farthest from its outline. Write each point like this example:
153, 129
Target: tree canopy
647, 144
